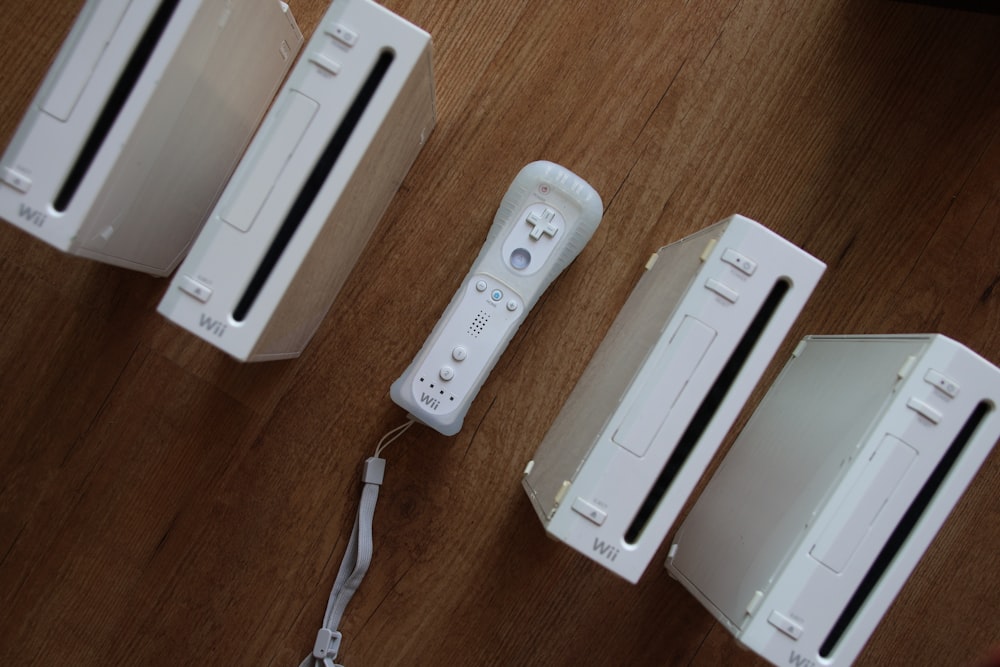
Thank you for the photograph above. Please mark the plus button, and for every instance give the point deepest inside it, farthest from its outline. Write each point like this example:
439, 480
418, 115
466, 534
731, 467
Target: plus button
541, 223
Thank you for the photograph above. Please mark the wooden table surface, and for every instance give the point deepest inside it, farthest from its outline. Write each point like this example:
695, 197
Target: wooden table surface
163, 504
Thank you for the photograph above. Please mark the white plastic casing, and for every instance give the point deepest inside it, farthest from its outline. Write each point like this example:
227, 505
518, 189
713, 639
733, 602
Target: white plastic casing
546, 217
176, 139
333, 97
831, 464
664, 388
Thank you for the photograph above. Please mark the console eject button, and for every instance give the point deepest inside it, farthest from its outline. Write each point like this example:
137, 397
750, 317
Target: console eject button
785, 624
589, 511
196, 289
15, 179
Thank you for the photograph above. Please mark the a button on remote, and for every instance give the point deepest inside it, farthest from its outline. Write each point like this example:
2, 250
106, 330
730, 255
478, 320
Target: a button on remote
459, 353
447, 373
496, 295
481, 285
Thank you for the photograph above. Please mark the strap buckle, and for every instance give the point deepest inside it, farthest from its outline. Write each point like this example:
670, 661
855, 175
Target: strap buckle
327, 644
374, 471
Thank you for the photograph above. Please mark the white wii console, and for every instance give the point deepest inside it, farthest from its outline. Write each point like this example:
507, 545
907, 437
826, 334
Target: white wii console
834, 489
140, 122
663, 389
303, 202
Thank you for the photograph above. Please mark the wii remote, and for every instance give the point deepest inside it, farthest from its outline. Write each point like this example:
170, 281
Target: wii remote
547, 216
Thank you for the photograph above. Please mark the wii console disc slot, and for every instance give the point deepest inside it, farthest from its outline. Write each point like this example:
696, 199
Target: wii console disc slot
302, 204
899, 536
286, 135
139, 123
664, 387
101, 23
882, 474
114, 104
656, 398
694, 429
849, 487
311, 187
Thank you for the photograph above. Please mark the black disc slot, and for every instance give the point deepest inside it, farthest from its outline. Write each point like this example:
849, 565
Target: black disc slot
115, 102
903, 529
317, 177
706, 411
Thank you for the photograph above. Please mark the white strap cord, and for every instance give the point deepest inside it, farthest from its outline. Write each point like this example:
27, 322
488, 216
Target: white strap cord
356, 560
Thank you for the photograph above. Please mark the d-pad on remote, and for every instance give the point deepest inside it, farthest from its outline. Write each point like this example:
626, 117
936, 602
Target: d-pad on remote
547, 216
532, 240
542, 223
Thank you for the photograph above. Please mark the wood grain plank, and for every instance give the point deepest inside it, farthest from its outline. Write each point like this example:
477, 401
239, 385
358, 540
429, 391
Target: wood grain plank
116, 514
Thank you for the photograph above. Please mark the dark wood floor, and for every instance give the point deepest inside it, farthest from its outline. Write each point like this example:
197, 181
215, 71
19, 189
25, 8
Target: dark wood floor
162, 504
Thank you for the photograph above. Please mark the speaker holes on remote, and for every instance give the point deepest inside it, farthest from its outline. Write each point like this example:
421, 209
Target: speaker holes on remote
479, 323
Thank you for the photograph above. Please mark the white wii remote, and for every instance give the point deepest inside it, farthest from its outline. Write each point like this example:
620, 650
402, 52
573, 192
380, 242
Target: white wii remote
547, 216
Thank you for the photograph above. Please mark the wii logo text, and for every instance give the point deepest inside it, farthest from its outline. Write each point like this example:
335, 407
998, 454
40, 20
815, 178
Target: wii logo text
608, 551
35, 217
429, 401
215, 327
801, 660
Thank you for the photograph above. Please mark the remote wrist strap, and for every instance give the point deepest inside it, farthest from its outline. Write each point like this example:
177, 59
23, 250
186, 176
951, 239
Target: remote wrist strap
357, 557
353, 568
